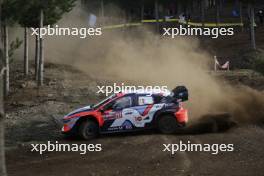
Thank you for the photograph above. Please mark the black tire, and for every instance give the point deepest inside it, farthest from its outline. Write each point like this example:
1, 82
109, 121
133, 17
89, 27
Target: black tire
167, 124
88, 130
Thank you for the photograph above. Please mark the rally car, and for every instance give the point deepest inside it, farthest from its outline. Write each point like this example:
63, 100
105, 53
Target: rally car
123, 112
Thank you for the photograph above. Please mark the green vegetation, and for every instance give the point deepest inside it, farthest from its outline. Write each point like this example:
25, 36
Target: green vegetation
259, 63
252, 59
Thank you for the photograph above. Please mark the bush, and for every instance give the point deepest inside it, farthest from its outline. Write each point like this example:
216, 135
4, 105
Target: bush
259, 66
252, 59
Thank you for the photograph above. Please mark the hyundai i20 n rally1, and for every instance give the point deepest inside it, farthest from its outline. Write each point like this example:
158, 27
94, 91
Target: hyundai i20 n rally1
123, 112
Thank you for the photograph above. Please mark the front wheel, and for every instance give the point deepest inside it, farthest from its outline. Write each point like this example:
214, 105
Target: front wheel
88, 130
167, 124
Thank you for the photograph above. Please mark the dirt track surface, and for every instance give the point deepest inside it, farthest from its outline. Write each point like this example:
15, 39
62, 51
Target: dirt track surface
33, 117
142, 155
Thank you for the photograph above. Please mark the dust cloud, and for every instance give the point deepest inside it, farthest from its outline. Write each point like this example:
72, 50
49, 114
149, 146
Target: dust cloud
140, 57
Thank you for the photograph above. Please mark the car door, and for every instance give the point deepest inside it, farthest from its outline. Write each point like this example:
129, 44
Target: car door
144, 107
118, 114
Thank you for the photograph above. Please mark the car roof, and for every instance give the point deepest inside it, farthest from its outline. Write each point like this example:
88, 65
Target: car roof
147, 92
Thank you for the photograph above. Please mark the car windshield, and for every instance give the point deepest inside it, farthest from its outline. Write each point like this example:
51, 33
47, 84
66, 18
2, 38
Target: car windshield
104, 101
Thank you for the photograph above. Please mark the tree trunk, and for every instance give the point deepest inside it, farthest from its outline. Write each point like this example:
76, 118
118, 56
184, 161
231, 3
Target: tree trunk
203, 12
102, 12
179, 8
41, 54
36, 57
221, 4
252, 27
6, 61
2, 129
157, 15
188, 11
142, 10
2, 112
192, 7
241, 15
25, 51
163, 17
217, 12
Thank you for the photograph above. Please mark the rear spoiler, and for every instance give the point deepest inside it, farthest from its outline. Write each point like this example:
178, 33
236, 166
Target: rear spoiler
180, 94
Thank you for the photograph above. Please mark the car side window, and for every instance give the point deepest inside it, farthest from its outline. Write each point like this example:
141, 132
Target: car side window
124, 102
145, 100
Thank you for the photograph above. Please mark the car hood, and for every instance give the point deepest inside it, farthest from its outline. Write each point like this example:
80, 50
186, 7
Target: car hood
83, 109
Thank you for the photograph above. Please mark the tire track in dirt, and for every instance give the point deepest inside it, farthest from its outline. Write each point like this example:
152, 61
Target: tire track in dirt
186, 162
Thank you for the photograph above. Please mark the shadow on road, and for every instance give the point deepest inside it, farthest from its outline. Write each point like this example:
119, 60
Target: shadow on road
209, 123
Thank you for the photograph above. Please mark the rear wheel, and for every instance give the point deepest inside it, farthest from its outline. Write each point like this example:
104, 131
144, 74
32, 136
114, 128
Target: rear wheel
167, 124
88, 130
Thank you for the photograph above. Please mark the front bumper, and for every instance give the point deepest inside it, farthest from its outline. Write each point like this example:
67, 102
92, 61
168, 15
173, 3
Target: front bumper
68, 124
65, 128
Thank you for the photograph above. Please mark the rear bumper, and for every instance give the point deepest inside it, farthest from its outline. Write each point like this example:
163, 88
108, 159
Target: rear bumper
182, 116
